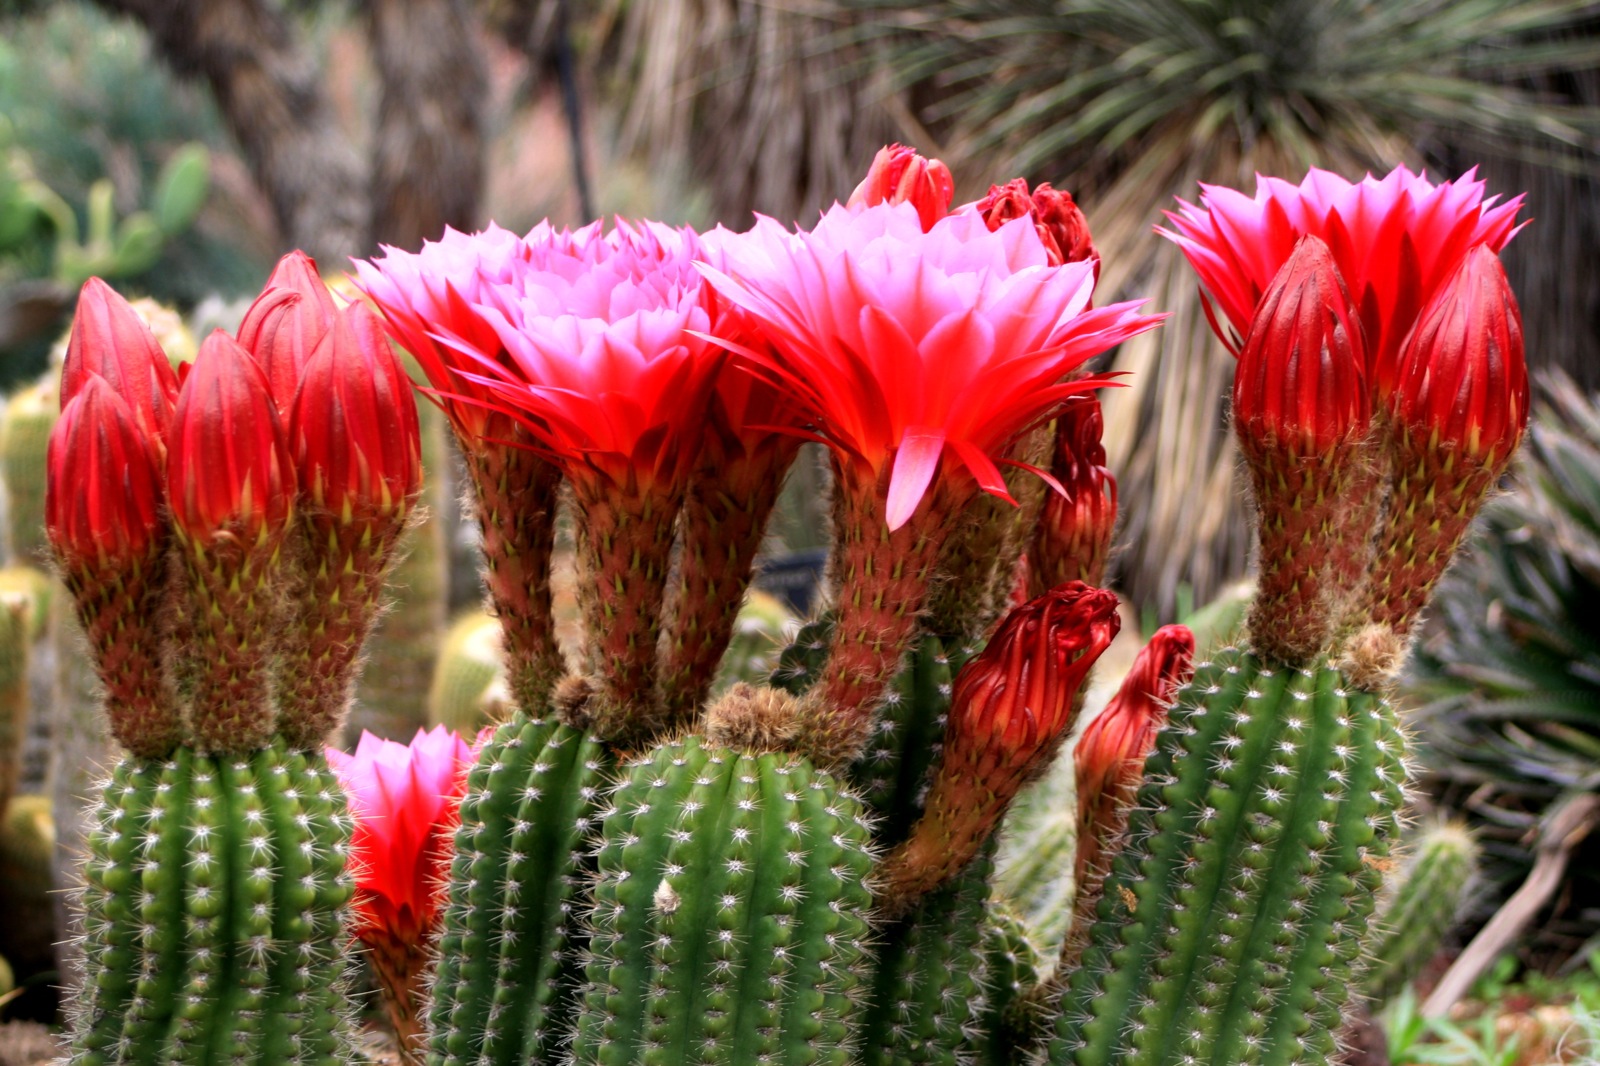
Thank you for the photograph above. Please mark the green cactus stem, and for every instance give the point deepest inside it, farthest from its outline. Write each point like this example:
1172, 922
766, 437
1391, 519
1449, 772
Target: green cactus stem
1419, 906
24, 438
1231, 925
1015, 969
212, 901
508, 943
15, 623
1034, 866
470, 663
931, 981
27, 891
729, 916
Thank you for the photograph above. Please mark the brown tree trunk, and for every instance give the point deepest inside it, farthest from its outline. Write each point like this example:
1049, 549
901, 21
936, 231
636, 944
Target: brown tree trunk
427, 158
268, 89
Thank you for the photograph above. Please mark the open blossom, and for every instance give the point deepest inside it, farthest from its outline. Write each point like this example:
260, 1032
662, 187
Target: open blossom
899, 175
919, 352
1395, 240
404, 802
110, 341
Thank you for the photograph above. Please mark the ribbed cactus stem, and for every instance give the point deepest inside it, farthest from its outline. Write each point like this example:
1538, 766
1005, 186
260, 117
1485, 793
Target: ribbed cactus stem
1232, 924
724, 517
729, 916
14, 645
1419, 906
508, 942
882, 580
25, 426
515, 495
212, 913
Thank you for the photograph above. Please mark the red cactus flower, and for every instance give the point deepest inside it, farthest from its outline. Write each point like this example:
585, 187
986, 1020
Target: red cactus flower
404, 801
286, 323
899, 175
103, 492
921, 358
1011, 709
110, 341
1395, 240
1063, 230
1073, 538
1111, 752
228, 468
353, 431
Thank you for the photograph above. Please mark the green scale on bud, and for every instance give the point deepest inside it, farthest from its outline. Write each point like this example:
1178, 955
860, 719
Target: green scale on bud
1230, 928
212, 908
509, 941
729, 922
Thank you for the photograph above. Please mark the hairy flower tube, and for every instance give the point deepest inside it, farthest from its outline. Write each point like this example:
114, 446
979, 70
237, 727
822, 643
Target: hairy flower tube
104, 503
920, 357
1302, 414
1395, 241
403, 799
609, 370
109, 340
1011, 709
1458, 412
899, 175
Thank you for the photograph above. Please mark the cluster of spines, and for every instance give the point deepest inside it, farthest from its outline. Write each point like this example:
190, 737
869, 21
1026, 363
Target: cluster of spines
213, 898
1230, 925
1015, 971
729, 914
508, 937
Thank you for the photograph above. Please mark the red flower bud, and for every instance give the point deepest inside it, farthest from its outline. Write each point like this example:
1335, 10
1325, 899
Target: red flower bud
103, 493
1073, 538
1111, 752
1011, 708
353, 431
228, 468
1057, 218
286, 323
1110, 759
1301, 380
1463, 376
898, 175
109, 340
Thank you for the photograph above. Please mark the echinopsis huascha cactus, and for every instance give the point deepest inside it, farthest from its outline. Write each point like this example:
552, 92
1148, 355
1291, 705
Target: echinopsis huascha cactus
224, 542
801, 871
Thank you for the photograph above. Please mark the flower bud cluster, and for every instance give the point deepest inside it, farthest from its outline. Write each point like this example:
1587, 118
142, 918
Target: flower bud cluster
191, 510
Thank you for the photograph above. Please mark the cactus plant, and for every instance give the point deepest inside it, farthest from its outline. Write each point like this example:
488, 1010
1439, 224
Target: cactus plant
24, 432
1419, 905
223, 543
468, 675
15, 638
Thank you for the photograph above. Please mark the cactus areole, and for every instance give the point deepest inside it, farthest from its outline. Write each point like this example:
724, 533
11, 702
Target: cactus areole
638, 872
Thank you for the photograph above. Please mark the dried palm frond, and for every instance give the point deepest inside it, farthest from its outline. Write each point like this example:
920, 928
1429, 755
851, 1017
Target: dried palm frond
1131, 102
755, 99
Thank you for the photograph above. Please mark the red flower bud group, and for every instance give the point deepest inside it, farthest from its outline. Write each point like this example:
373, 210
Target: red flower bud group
286, 323
1056, 217
110, 341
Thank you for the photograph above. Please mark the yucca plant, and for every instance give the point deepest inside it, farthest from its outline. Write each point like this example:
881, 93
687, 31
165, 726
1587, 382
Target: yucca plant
1507, 682
1135, 102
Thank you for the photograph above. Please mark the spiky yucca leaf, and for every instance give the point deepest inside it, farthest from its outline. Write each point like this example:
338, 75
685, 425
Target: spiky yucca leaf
1506, 681
1131, 102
